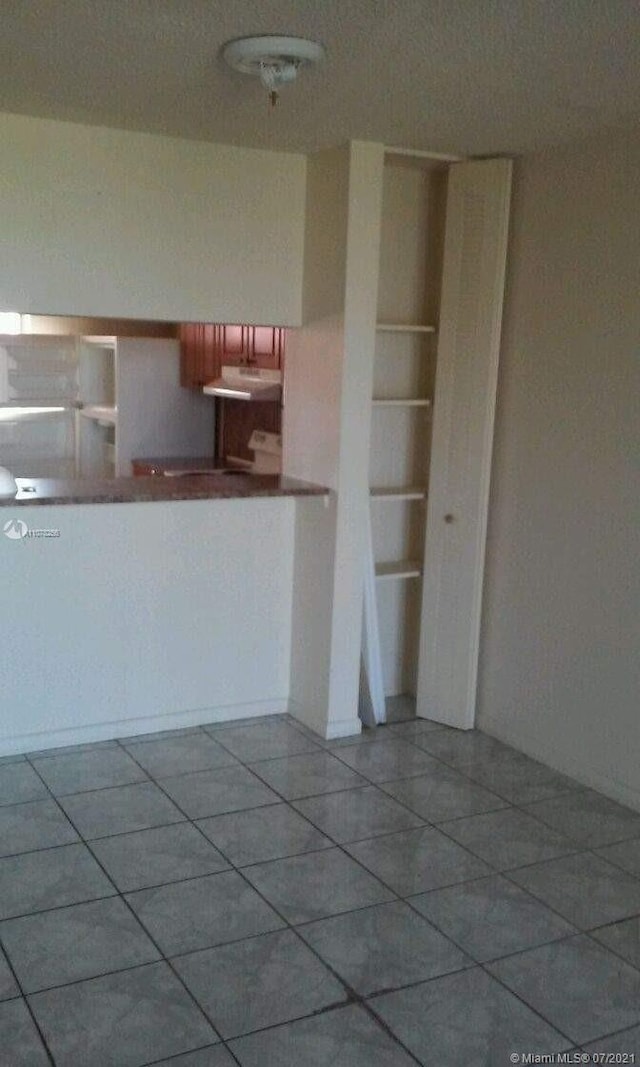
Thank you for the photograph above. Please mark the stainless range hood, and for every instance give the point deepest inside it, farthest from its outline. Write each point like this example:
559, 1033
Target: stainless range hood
246, 383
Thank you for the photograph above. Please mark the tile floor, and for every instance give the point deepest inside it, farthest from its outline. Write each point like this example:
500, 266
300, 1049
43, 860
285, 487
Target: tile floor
247, 894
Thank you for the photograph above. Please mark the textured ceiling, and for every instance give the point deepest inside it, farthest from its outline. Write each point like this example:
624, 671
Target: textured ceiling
465, 76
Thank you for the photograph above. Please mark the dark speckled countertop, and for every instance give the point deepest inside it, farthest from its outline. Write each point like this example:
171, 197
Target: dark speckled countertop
144, 490
160, 464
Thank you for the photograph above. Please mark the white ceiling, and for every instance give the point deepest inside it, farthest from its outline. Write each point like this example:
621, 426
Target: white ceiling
465, 76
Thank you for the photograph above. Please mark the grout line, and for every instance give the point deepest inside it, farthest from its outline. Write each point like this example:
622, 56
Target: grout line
498, 871
94, 789
192, 822
505, 802
442, 827
134, 830
363, 1001
337, 843
169, 734
83, 840
492, 959
529, 1006
607, 948
239, 870
288, 856
550, 907
287, 755
143, 927
501, 874
356, 1003
342, 845
482, 967
597, 852
396, 897
372, 1013
70, 750
291, 926
288, 926
180, 1055
59, 907
23, 998
96, 977
388, 1031
161, 736
606, 1037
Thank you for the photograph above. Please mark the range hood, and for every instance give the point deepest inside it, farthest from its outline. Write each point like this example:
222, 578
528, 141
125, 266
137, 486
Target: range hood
246, 383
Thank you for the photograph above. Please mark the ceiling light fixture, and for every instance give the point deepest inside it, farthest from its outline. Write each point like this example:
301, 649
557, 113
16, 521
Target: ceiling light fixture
275, 60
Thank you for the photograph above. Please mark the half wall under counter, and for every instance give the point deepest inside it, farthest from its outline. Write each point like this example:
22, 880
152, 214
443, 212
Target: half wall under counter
169, 605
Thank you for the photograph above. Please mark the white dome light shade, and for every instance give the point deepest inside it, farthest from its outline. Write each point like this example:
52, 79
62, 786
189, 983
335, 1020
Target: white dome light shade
275, 60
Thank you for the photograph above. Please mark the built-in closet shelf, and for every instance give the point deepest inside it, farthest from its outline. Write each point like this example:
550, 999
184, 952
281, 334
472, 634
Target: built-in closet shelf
398, 570
401, 402
404, 374
102, 413
406, 492
401, 327
57, 402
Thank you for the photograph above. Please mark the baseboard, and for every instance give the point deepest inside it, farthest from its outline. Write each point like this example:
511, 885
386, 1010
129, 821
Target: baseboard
308, 716
108, 731
315, 720
343, 728
548, 753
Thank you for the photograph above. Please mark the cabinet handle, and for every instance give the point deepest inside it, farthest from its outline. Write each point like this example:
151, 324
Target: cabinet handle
449, 518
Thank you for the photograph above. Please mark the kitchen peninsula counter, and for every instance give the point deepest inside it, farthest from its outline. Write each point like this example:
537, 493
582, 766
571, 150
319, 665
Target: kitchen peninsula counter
44, 491
125, 619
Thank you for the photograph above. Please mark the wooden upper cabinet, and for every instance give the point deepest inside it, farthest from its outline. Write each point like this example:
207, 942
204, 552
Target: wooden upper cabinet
197, 354
210, 364
260, 346
267, 346
233, 343
205, 347
186, 336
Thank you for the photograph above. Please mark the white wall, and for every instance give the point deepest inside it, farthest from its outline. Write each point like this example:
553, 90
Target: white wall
361, 289
311, 418
311, 615
559, 646
96, 221
311, 424
142, 617
311, 430
326, 429
156, 416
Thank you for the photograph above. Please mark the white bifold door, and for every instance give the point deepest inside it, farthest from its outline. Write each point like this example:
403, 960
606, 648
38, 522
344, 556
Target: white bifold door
462, 435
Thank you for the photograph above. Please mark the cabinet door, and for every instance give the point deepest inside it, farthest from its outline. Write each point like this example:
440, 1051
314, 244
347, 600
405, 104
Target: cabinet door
187, 335
200, 354
205, 347
199, 360
210, 360
464, 404
266, 346
259, 346
233, 344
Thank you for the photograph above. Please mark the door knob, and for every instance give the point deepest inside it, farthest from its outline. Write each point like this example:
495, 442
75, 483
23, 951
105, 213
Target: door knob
449, 518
